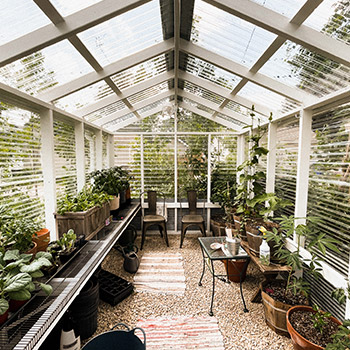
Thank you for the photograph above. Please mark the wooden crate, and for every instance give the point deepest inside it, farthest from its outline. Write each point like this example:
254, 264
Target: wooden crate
86, 223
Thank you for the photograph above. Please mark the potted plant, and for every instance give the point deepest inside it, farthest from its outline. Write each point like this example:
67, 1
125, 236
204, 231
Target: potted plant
67, 246
278, 296
310, 328
42, 239
18, 274
86, 213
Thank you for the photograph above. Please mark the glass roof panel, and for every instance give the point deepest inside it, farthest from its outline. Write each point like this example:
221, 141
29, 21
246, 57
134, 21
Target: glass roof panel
297, 66
230, 119
227, 35
144, 71
244, 111
208, 71
124, 35
115, 122
288, 9
267, 98
145, 110
154, 90
18, 18
106, 111
199, 91
332, 18
84, 97
197, 105
43, 70
67, 7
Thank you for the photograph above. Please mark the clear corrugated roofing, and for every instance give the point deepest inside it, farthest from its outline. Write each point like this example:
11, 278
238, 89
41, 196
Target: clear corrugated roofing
121, 62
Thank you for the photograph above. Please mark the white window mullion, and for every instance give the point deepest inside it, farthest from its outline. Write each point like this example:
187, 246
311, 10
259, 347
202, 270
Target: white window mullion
110, 151
48, 161
209, 183
240, 153
304, 150
271, 158
80, 154
99, 149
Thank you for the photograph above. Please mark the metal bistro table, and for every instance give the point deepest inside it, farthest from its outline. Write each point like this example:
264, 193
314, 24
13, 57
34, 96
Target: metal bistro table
210, 255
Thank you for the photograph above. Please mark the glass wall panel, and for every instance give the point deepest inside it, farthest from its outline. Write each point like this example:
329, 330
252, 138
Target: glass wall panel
158, 160
90, 151
21, 178
104, 151
65, 159
286, 162
127, 153
329, 185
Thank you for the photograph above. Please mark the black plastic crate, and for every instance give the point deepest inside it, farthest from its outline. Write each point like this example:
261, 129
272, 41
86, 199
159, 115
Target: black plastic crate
113, 289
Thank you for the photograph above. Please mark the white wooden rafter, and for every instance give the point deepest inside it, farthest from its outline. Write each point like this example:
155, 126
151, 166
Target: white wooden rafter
73, 24
305, 11
214, 106
177, 11
221, 91
132, 90
280, 25
109, 70
242, 71
137, 106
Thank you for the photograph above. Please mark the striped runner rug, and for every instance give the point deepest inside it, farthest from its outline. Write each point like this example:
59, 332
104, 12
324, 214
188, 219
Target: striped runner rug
160, 274
182, 332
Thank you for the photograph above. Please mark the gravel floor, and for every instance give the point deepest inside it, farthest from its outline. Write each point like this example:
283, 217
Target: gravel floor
241, 331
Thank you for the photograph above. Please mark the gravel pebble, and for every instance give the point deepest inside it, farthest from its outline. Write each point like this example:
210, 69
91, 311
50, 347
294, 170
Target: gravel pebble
241, 331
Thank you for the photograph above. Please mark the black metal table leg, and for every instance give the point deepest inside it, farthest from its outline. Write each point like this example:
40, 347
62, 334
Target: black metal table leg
240, 286
213, 291
200, 280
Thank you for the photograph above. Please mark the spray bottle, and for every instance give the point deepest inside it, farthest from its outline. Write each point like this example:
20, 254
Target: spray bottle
264, 248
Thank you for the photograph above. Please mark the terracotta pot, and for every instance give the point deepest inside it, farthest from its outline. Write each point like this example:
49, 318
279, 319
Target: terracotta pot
3, 317
16, 304
299, 342
32, 250
42, 239
234, 268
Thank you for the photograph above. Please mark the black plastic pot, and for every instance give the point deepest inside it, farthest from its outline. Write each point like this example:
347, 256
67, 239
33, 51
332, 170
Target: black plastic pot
84, 308
65, 256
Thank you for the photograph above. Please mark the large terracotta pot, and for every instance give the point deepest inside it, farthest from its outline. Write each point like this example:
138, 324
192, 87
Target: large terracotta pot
32, 250
299, 342
42, 239
4, 316
16, 304
234, 268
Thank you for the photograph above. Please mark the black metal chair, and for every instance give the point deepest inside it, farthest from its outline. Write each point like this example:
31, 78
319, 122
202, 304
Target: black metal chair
152, 218
117, 339
192, 218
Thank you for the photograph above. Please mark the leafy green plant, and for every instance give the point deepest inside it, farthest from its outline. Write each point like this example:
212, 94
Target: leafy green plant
319, 318
67, 241
86, 199
111, 180
315, 243
18, 274
16, 231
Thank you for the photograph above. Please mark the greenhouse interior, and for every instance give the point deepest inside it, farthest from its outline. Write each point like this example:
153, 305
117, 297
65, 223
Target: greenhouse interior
175, 174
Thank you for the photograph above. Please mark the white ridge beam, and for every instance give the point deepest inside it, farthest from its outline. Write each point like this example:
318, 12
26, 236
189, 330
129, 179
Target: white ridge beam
280, 25
132, 90
214, 106
242, 71
136, 106
111, 69
207, 115
73, 24
219, 90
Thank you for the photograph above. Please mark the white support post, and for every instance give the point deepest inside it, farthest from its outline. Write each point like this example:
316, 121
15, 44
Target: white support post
209, 183
271, 158
347, 306
99, 150
175, 171
240, 153
80, 154
304, 149
48, 168
110, 151
142, 166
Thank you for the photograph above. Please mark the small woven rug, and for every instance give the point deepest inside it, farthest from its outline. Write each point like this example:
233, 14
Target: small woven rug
160, 274
182, 332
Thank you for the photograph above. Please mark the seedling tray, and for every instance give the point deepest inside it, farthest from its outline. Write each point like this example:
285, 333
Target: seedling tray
113, 289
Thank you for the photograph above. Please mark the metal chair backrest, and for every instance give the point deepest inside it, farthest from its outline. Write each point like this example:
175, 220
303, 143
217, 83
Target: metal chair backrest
192, 201
152, 202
